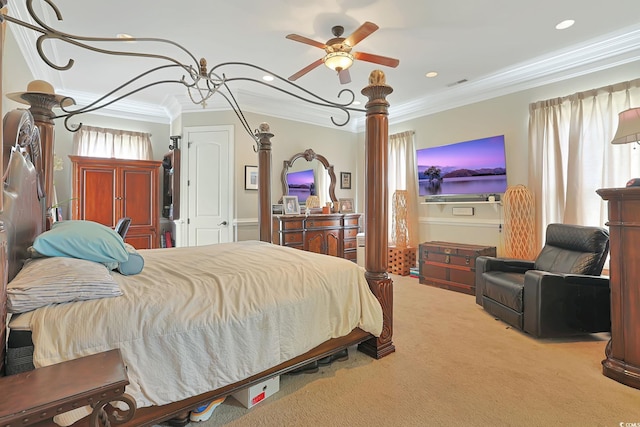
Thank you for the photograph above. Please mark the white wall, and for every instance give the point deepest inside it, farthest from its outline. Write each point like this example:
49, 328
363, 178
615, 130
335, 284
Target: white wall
290, 137
506, 115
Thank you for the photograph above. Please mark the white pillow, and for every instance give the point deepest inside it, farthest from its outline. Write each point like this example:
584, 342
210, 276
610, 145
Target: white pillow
54, 280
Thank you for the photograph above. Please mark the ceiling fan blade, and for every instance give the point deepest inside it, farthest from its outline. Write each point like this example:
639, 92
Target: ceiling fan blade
360, 33
344, 76
305, 40
305, 70
377, 59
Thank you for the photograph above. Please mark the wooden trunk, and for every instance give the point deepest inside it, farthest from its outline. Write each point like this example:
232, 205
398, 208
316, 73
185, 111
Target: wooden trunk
451, 265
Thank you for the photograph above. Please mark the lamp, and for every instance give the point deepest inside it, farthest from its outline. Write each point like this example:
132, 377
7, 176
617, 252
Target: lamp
628, 127
628, 131
338, 61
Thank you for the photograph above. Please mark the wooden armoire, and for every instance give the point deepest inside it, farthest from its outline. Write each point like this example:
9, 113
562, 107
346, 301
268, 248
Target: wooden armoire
105, 190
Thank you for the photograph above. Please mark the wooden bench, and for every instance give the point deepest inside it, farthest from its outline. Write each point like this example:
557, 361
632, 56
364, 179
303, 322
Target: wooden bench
36, 396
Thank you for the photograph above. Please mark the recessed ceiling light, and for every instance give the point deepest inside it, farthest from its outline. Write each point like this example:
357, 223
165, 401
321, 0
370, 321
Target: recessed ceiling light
267, 78
431, 74
565, 24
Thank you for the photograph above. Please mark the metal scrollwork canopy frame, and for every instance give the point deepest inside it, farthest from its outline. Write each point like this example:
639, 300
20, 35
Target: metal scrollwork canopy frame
201, 83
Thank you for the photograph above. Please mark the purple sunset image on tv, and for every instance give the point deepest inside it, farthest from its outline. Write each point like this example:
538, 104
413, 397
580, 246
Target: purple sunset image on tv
476, 167
301, 184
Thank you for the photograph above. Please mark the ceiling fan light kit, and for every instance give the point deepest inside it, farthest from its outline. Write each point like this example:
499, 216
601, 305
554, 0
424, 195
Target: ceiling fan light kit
338, 61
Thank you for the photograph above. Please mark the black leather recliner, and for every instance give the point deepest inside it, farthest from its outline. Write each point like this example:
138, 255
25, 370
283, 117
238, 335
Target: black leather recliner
561, 293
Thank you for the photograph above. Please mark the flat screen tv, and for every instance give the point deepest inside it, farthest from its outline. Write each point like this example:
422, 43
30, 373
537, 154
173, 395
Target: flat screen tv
475, 168
301, 184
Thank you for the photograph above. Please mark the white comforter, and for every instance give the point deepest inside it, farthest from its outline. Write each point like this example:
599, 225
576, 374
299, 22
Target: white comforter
200, 318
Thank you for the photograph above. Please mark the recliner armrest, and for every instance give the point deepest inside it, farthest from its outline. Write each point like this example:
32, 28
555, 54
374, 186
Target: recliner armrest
565, 304
489, 263
584, 279
511, 265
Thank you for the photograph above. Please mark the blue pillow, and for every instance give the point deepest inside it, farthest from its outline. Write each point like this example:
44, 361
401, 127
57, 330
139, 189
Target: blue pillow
133, 265
82, 239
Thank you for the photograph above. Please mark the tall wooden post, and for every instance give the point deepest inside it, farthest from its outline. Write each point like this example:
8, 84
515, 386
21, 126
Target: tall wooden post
264, 181
3, 29
41, 99
377, 210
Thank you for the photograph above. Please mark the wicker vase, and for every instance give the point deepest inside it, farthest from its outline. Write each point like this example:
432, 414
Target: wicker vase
518, 223
400, 237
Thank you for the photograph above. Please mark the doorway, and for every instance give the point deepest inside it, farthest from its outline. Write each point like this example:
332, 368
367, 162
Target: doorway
209, 172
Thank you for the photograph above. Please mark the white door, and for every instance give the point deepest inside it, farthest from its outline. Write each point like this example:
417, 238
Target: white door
209, 184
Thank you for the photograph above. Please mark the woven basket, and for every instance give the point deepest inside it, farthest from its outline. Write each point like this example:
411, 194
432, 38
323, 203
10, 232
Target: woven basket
518, 223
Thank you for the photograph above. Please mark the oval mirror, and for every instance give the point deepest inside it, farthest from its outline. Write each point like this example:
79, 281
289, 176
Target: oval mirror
312, 177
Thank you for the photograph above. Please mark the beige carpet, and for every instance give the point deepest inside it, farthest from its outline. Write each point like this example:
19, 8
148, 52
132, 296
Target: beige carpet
454, 365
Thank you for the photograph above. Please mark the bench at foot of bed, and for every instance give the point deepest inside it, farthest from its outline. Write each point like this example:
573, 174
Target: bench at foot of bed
37, 396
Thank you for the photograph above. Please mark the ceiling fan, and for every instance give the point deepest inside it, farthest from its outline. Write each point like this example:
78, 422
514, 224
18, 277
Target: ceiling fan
338, 56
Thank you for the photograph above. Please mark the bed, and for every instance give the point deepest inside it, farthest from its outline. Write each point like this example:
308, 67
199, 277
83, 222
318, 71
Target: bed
274, 340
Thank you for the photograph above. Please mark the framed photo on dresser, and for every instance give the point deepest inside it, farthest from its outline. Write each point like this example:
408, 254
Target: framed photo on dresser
291, 205
345, 205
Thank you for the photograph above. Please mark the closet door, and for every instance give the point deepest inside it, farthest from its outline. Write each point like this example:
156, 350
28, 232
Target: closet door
138, 200
95, 194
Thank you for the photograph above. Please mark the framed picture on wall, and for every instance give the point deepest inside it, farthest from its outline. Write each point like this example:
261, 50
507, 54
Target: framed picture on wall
250, 177
291, 205
345, 180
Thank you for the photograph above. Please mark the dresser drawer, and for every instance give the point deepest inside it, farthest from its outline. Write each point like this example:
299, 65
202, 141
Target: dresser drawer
350, 221
350, 233
292, 225
293, 237
350, 244
322, 223
351, 255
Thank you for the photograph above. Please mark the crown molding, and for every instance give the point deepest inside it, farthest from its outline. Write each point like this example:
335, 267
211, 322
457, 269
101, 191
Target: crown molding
124, 109
614, 49
599, 54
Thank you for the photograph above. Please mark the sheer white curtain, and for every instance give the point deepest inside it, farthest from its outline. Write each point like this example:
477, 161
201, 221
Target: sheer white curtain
571, 156
112, 143
403, 174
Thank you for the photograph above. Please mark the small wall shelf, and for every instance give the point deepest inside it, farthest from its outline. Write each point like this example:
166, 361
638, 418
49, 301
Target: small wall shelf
479, 202
441, 204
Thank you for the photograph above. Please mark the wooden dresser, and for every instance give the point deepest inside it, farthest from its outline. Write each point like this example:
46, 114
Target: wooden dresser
330, 234
451, 265
622, 362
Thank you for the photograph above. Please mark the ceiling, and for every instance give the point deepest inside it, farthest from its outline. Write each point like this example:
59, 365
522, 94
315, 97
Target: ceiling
493, 47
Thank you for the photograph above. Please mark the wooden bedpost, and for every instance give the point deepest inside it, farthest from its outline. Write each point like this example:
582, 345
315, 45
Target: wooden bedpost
41, 99
3, 29
264, 181
377, 210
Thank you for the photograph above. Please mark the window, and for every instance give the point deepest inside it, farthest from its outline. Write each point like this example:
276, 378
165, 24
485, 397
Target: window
93, 141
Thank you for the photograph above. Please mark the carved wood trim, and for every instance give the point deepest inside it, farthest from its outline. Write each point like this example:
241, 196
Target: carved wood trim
310, 155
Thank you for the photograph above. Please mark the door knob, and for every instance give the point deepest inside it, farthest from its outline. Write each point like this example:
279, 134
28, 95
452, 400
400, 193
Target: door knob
223, 223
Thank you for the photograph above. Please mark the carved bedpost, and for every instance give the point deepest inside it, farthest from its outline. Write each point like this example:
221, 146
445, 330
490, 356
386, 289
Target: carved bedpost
3, 29
377, 210
41, 99
264, 181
